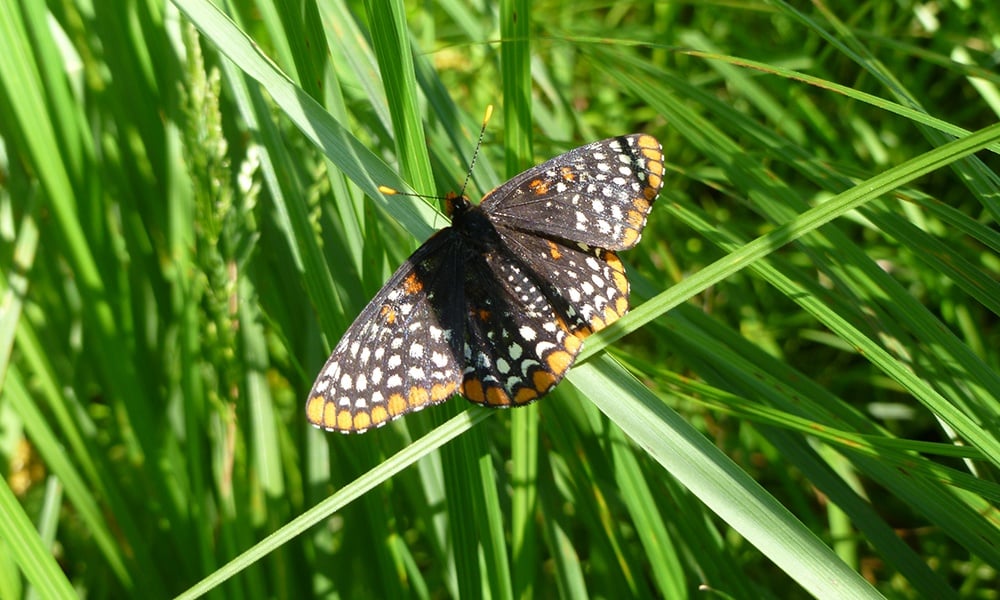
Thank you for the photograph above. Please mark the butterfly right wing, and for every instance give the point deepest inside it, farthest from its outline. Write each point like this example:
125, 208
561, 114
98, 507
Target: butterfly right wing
598, 194
399, 355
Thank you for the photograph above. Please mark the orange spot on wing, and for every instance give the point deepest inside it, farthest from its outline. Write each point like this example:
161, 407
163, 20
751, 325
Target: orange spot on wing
621, 283
440, 392
573, 343
554, 250
613, 261
344, 421
577, 331
418, 397
621, 305
654, 182
412, 284
473, 390
543, 381
362, 420
654, 164
496, 396
539, 187
630, 238
559, 361
648, 142
379, 415
315, 408
526, 395
397, 405
330, 416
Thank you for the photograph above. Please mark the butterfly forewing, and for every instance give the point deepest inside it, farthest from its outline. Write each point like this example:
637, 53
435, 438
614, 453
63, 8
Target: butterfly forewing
598, 194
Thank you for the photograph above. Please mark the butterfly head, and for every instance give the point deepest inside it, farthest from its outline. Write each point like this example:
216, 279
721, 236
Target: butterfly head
455, 205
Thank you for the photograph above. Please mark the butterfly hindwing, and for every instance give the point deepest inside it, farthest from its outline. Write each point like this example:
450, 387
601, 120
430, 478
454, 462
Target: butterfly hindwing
587, 286
517, 344
530, 303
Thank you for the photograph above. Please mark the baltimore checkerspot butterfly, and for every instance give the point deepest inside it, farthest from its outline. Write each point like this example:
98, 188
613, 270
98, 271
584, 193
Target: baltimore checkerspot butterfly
496, 306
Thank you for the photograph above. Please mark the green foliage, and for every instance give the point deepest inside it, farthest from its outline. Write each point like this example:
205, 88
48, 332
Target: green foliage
807, 401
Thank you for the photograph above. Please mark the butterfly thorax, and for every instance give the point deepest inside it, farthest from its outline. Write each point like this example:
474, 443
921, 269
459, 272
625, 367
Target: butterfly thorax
471, 223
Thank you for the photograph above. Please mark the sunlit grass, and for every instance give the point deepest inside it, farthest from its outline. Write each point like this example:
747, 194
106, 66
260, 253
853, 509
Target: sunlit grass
803, 400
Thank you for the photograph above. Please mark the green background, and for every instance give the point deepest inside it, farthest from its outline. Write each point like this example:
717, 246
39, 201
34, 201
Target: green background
803, 401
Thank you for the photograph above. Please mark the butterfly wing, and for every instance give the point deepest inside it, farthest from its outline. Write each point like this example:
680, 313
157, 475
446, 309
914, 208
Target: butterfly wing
516, 346
585, 285
399, 355
598, 194
530, 303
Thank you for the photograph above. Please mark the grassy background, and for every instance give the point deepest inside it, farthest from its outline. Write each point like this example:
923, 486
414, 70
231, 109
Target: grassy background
807, 401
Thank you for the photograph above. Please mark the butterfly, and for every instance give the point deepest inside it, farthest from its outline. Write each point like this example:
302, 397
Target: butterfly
496, 306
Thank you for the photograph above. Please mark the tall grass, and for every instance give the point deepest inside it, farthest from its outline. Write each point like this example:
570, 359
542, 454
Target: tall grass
805, 399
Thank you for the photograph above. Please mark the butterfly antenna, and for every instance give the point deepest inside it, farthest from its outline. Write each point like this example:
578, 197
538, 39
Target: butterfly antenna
475, 154
388, 191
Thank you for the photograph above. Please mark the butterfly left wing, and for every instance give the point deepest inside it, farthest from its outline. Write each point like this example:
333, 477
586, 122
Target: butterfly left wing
399, 354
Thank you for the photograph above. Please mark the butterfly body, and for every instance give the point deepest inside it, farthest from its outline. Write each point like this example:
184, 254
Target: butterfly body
496, 306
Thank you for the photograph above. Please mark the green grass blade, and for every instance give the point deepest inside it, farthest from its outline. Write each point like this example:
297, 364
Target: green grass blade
383, 472
721, 485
